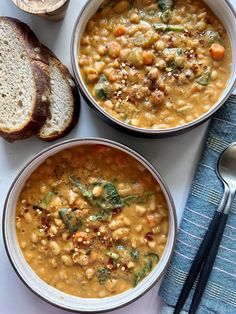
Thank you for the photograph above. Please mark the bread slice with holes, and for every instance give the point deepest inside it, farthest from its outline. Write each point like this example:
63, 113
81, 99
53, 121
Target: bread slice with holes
65, 101
24, 81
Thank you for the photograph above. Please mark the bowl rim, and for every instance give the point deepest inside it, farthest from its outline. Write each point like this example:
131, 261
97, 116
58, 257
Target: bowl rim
51, 8
122, 125
132, 153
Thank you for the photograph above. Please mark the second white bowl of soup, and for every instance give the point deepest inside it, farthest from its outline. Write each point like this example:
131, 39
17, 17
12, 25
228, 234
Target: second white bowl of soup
155, 67
88, 221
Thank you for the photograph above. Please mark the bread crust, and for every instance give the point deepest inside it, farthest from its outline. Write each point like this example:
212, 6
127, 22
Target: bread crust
75, 98
41, 75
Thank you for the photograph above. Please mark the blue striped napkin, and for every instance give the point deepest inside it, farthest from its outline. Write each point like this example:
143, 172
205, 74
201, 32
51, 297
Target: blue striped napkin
205, 196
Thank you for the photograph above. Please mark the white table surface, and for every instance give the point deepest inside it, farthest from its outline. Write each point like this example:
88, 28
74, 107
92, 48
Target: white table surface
175, 158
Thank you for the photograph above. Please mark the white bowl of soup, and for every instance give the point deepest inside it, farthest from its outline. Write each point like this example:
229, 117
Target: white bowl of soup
155, 68
89, 225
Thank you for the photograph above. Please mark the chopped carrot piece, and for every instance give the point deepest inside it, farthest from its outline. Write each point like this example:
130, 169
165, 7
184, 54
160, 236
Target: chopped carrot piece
120, 30
217, 52
120, 161
151, 220
100, 149
148, 57
80, 237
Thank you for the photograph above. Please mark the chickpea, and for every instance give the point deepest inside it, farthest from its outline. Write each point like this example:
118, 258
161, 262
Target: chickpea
53, 230
120, 233
127, 221
67, 260
152, 203
97, 191
28, 217
138, 228
99, 66
152, 244
162, 239
121, 6
23, 244
140, 210
214, 75
160, 45
92, 74
89, 273
102, 50
201, 26
156, 230
54, 247
81, 259
43, 189
165, 227
53, 262
153, 74
114, 49
131, 265
134, 18
116, 223
34, 238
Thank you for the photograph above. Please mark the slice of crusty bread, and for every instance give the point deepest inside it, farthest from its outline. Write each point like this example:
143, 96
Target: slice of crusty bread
65, 101
24, 81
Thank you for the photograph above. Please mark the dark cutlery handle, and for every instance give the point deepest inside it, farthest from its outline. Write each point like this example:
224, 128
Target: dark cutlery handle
198, 261
208, 264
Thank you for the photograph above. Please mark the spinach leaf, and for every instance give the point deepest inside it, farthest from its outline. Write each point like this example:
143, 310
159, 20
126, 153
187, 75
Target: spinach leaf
204, 78
212, 37
70, 220
103, 275
109, 199
101, 216
136, 198
129, 199
135, 254
46, 200
166, 6
168, 28
83, 189
112, 198
143, 272
101, 88
153, 256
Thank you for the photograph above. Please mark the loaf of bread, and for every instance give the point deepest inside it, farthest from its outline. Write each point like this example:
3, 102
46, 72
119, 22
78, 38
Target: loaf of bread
38, 96
65, 101
24, 81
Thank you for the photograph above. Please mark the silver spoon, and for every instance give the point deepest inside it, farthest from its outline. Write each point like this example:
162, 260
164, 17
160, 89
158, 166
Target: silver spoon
205, 257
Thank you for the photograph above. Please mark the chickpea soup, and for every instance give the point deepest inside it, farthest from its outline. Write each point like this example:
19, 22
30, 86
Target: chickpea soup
155, 64
91, 221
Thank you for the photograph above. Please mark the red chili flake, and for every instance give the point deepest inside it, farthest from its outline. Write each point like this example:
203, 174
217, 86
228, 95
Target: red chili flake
202, 42
176, 76
170, 44
149, 236
110, 264
187, 33
95, 229
46, 224
68, 237
208, 20
75, 208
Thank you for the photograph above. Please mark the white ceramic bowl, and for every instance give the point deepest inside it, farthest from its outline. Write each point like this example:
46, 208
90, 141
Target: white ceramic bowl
225, 12
50, 294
